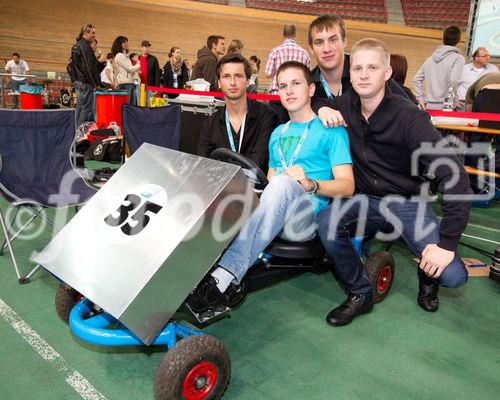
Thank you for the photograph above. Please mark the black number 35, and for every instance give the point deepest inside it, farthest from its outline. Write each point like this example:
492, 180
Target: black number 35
138, 220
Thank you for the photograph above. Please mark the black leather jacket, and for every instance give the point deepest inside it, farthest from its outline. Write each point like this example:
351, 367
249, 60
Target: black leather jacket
86, 67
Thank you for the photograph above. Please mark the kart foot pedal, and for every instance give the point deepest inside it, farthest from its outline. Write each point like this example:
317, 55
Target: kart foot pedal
210, 315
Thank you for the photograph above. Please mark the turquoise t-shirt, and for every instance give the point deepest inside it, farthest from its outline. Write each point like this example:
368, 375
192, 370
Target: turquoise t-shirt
322, 150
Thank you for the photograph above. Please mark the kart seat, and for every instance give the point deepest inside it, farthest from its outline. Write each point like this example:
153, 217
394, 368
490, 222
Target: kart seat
296, 250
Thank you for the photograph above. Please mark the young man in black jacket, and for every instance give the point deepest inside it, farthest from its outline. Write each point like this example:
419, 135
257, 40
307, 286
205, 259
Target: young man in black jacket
85, 70
243, 125
396, 151
327, 41
150, 68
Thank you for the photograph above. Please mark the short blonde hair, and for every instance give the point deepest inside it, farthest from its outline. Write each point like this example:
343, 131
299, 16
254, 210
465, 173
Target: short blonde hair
373, 44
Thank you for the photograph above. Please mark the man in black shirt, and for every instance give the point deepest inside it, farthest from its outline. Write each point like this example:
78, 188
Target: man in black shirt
396, 151
243, 125
327, 41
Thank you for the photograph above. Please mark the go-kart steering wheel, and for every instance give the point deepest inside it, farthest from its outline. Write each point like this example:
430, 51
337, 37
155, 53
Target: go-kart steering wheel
253, 173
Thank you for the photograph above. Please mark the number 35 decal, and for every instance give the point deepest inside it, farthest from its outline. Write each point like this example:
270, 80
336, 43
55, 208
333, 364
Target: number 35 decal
131, 219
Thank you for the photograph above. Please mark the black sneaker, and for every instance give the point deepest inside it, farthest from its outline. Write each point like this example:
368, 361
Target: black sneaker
353, 306
235, 294
206, 296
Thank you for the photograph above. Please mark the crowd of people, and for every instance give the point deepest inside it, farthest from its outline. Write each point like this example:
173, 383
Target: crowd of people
338, 157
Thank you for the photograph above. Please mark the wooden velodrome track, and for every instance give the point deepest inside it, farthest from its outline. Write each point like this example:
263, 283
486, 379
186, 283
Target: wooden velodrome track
42, 31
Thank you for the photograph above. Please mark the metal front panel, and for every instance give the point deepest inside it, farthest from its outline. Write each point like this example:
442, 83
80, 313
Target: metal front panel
141, 276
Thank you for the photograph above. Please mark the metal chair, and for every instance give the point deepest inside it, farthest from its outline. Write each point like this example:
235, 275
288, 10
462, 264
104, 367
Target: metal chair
36, 171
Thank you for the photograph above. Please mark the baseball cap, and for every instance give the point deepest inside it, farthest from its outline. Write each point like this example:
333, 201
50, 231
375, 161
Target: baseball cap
145, 43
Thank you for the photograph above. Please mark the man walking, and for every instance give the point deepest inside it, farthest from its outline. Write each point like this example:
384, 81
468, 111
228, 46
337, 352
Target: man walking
150, 69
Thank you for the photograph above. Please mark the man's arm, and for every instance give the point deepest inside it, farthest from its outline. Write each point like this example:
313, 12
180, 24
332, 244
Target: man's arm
446, 169
205, 145
209, 74
455, 76
270, 66
418, 83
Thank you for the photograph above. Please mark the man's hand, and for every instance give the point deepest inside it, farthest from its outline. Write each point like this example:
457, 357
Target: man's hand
331, 118
435, 259
297, 172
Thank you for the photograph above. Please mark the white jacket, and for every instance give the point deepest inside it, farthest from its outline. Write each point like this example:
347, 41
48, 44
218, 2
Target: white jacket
125, 68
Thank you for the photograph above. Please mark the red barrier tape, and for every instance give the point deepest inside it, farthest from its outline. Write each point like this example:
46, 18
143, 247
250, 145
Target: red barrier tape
273, 97
471, 115
262, 97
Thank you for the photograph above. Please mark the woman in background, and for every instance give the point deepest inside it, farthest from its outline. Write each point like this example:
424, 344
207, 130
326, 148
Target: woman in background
399, 66
125, 69
236, 46
175, 72
253, 83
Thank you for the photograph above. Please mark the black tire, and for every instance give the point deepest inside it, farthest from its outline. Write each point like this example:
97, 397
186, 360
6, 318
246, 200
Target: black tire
195, 359
66, 298
380, 267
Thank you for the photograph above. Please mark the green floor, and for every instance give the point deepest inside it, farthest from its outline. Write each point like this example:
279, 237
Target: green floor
280, 346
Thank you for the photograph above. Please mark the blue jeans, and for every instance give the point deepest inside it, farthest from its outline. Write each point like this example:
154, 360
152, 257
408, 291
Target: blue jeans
284, 207
413, 221
130, 88
85, 102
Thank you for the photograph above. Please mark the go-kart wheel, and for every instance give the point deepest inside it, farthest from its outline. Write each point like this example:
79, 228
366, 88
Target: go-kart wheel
259, 179
196, 368
66, 298
380, 267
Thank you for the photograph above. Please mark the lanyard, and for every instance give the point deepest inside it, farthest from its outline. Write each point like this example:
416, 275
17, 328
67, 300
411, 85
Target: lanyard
230, 133
284, 164
327, 89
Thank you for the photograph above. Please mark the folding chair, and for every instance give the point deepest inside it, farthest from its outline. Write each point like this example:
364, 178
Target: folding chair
160, 126
35, 170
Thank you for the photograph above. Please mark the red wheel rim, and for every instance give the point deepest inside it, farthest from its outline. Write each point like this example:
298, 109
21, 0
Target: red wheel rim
384, 279
199, 381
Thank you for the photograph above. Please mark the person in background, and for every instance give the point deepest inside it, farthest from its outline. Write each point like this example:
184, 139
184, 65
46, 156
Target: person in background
108, 75
289, 50
136, 78
208, 56
189, 67
253, 83
479, 66
175, 72
150, 71
125, 69
17, 66
440, 74
399, 65
85, 72
236, 46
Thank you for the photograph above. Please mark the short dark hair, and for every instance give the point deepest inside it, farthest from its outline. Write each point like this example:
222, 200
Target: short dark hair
289, 30
451, 35
399, 65
234, 58
117, 45
109, 56
213, 39
326, 21
296, 65
16, 55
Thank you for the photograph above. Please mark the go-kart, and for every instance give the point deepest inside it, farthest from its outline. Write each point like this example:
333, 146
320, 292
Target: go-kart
196, 365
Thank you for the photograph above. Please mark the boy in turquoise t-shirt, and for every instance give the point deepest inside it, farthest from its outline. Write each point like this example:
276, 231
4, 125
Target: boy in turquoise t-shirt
308, 165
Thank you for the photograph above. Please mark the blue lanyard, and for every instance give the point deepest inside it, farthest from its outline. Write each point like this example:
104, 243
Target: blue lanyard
230, 133
284, 164
327, 89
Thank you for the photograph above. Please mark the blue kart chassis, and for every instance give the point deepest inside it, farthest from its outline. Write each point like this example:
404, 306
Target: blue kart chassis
104, 330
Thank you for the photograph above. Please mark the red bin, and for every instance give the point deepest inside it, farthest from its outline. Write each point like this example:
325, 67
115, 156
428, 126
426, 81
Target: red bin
108, 106
31, 101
